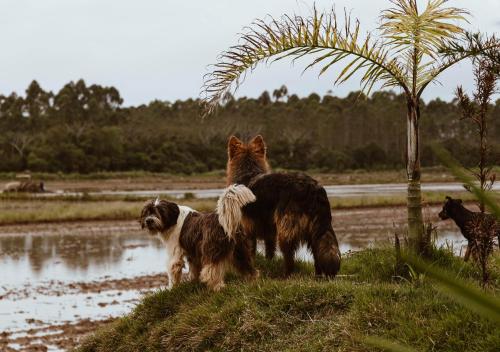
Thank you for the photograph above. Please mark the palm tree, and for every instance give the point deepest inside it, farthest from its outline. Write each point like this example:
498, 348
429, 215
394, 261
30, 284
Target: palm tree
404, 54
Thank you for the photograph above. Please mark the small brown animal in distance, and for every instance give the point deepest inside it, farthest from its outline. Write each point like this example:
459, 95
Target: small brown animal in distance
469, 221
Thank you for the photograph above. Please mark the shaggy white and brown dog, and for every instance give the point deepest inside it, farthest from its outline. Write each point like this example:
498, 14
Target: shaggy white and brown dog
210, 242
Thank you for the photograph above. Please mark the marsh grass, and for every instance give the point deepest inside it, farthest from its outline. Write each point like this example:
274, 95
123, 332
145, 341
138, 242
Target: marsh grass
109, 175
18, 212
25, 208
56, 210
304, 313
360, 176
428, 198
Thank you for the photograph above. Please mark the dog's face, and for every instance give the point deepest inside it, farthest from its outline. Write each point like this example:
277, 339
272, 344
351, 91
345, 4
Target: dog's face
449, 208
246, 158
159, 216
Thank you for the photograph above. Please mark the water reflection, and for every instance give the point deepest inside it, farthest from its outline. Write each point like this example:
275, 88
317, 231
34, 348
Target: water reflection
46, 252
90, 251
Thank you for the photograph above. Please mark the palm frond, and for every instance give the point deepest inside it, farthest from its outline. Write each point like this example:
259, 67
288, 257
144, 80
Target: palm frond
407, 29
452, 51
296, 37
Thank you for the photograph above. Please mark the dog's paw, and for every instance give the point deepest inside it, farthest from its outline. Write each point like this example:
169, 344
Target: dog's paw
255, 275
219, 286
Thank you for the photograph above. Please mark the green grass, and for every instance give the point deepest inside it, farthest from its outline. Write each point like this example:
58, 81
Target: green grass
306, 314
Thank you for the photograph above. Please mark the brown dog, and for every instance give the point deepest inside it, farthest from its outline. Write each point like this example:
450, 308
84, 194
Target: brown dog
470, 223
210, 242
290, 208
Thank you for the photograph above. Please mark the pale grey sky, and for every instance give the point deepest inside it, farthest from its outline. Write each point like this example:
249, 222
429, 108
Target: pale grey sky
160, 49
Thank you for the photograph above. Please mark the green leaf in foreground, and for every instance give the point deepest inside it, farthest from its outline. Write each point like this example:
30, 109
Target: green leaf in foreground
386, 345
471, 297
455, 168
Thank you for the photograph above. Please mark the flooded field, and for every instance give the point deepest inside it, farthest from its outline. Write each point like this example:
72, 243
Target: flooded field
59, 281
360, 190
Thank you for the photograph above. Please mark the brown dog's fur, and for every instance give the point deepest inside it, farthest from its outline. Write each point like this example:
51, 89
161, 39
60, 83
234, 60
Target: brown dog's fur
290, 208
469, 222
200, 238
210, 251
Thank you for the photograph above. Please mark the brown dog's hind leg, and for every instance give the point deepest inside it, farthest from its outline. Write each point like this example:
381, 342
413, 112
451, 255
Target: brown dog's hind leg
243, 258
326, 253
467, 252
212, 274
194, 271
288, 248
253, 247
317, 266
175, 274
248, 232
270, 243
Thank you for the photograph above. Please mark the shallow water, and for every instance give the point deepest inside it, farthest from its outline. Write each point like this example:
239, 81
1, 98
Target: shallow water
77, 252
53, 274
56, 274
385, 189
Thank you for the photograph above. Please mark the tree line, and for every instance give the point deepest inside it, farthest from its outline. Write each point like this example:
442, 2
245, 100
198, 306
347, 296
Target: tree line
84, 128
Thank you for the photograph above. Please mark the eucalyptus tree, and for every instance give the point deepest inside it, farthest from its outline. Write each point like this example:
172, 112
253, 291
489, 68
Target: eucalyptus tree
404, 52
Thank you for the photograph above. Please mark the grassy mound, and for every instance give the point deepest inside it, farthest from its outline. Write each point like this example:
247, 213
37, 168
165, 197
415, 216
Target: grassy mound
307, 314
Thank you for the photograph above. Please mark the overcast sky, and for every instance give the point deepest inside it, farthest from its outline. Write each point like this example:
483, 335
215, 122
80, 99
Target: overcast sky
160, 49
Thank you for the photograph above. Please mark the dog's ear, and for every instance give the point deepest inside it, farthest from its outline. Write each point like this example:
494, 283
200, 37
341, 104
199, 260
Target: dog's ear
448, 198
233, 145
169, 213
144, 211
258, 145
459, 201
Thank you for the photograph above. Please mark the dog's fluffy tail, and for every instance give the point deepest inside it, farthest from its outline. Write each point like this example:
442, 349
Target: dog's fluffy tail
327, 254
229, 207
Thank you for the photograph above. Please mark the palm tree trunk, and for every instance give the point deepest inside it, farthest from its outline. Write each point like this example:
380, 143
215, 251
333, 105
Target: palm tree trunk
414, 200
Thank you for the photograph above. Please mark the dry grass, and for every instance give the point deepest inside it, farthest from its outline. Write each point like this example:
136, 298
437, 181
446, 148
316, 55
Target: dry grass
33, 211
394, 200
435, 174
18, 209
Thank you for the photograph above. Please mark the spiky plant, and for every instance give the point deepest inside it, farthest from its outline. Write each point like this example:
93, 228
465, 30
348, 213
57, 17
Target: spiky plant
476, 111
403, 53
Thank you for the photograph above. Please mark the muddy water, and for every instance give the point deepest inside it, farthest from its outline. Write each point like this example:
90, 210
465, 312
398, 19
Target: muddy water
56, 276
57, 281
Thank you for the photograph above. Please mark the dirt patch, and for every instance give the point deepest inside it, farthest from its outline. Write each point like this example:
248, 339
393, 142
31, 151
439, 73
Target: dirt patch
73, 227
42, 335
59, 288
61, 337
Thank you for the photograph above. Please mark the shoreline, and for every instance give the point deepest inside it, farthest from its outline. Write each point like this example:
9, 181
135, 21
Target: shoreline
26, 211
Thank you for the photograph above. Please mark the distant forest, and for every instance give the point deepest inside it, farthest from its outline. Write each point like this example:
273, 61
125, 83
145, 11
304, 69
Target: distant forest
85, 129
